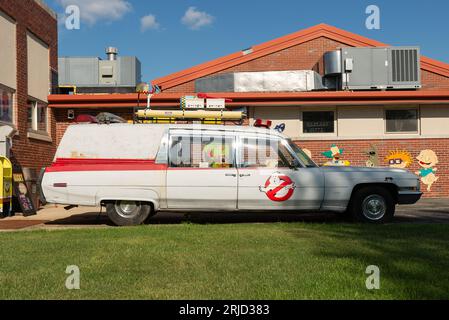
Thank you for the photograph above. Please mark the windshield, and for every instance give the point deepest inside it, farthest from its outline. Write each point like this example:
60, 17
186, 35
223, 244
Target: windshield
302, 156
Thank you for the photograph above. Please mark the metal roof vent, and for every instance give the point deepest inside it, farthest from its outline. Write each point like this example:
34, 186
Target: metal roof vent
111, 52
247, 51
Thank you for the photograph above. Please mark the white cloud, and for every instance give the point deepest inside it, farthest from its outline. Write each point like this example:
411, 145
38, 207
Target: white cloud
195, 19
148, 22
99, 10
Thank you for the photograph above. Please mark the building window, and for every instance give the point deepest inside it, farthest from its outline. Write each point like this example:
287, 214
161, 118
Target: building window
6, 105
401, 120
318, 121
37, 116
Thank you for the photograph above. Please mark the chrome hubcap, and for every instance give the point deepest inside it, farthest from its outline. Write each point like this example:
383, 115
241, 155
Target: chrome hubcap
374, 207
127, 209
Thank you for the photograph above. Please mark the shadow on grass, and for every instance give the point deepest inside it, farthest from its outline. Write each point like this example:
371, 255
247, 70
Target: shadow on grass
413, 259
92, 218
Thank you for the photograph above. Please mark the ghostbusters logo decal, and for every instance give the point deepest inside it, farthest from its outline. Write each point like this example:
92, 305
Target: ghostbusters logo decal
278, 187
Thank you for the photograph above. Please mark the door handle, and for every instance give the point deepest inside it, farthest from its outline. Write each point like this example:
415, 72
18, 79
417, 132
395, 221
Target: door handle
244, 175
230, 175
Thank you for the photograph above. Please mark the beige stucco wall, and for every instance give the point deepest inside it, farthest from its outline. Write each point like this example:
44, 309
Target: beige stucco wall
38, 68
435, 120
358, 122
288, 115
8, 61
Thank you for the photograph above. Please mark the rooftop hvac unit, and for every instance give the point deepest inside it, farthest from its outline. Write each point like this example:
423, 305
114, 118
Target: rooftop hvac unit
374, 68
404, 65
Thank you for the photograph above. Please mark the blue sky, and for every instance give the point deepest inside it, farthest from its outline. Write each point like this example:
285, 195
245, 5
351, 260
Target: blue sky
173, 37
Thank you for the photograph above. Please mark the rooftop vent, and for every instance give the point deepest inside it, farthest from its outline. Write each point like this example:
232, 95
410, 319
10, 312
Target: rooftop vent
111, 52
373, 68
247, 51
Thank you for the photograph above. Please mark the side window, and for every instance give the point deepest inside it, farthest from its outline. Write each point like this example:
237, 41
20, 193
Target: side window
265, 153
201, 151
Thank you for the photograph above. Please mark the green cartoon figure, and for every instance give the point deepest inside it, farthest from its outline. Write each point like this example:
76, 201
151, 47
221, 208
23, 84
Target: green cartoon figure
334, 154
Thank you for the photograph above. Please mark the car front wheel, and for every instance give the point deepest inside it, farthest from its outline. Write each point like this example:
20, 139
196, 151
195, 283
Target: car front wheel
372, 205
128, 213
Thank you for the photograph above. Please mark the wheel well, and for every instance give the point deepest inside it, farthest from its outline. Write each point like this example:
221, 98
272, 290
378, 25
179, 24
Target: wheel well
393, 189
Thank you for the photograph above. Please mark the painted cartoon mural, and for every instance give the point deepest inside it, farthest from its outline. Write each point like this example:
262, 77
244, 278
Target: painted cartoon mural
427, 159
399, 159
373, 156
334, 154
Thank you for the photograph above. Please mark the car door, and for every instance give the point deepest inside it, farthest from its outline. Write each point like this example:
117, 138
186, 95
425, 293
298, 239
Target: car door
271, 176
202, 171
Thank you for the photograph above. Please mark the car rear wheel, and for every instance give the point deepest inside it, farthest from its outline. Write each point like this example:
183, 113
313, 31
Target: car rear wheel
372, 205
128, 213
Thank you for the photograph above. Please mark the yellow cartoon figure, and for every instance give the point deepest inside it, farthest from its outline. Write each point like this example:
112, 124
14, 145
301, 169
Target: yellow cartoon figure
427, 159
399, 159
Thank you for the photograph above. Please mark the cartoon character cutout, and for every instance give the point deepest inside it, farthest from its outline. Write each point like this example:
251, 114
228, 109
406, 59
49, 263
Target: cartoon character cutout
373, 156
278, 187
400, 159
334, 154
217, 154
427, 159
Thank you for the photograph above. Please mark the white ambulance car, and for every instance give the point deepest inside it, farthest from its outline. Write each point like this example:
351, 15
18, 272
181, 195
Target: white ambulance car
136, 170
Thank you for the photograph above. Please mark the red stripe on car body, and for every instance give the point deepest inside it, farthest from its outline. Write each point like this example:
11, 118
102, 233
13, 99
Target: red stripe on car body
67, 164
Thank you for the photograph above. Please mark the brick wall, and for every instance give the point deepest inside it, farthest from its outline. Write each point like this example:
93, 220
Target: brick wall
354, 152
433, 81
32, 17
306, 56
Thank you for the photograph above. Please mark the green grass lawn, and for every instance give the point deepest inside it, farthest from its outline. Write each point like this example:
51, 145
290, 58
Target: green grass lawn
228, 261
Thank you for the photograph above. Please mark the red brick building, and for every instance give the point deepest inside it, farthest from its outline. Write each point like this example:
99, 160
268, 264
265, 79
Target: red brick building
360, 120
29, 64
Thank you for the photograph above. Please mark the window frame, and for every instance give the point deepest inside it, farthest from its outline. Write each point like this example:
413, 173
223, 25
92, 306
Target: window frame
13, 101
34, 124
201, 133
401, 108
318, 134
284, 142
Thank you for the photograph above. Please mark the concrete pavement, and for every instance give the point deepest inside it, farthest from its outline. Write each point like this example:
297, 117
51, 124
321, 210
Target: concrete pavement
56, 217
